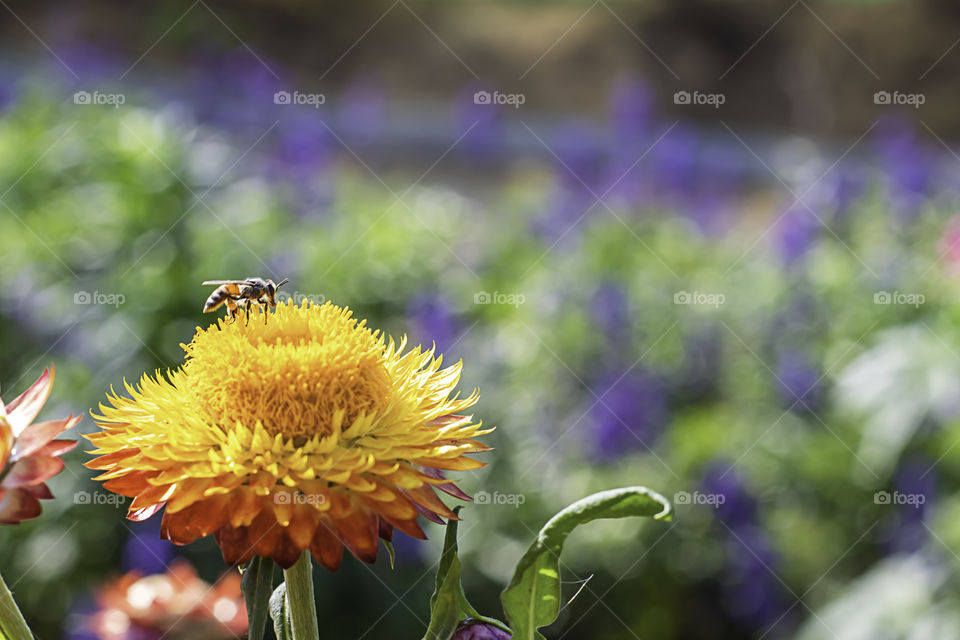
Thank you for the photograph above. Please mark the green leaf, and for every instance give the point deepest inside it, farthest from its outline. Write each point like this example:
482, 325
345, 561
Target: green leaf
278, 611
449, 604
532, 599
257, 585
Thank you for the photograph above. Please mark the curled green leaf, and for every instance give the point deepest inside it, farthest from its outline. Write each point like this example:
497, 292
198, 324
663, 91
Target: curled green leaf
532, 599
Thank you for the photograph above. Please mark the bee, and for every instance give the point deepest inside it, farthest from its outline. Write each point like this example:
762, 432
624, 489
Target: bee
242, 293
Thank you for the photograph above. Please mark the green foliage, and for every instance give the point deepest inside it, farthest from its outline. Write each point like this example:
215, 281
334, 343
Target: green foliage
532, 599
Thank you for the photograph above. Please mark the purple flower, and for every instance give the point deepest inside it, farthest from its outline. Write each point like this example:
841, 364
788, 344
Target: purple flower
483, 124
915, 486
630, 415
145, 551
737, 508
477, 630
431, 320
797, 381
796, 233
752, 592
907, 163
610, 311
580, 159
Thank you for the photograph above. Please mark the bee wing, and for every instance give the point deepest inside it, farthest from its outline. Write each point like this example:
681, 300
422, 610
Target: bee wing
220, 282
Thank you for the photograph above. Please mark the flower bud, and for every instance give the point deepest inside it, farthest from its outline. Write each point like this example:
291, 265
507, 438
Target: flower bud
471, 629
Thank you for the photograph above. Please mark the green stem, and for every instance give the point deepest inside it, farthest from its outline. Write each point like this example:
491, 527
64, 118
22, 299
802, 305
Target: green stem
12, 624
300, 602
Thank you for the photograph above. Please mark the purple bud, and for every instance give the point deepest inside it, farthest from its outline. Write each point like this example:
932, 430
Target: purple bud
476, 630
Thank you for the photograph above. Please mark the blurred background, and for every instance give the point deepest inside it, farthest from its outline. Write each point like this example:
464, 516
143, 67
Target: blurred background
708, 246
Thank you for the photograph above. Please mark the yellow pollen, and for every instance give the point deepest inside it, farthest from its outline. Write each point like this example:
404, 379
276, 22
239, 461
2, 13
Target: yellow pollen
303, 367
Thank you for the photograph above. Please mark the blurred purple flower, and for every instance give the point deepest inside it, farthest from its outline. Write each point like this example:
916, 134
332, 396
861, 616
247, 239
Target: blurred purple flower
796, 233
431, 320
631, 414
674, 161
610, 311
737, 508
580, 159
632, 121
797, 381
915, 487
754, 594
145, 551
477, 630
908, 164
632, 112
483, 124
235, 89
567, 214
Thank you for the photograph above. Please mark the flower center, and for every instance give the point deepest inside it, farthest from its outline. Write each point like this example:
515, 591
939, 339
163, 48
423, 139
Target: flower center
293, 374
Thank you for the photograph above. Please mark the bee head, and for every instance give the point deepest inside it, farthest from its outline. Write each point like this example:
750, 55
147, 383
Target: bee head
272, 290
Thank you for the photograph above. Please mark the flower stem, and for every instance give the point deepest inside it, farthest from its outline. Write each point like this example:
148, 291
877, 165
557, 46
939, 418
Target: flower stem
12, 624
300, 603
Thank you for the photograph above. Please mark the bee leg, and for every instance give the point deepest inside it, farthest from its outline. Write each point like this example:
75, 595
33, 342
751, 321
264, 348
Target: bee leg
231, 310
247, 308
265, 309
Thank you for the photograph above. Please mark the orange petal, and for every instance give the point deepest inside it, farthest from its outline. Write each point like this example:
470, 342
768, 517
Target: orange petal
18, 505
360, 533
326, 547
139, 515
234, 545
6, 439
22, 411
37, 435
425, 497
130, 485
33, 470
56, 448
